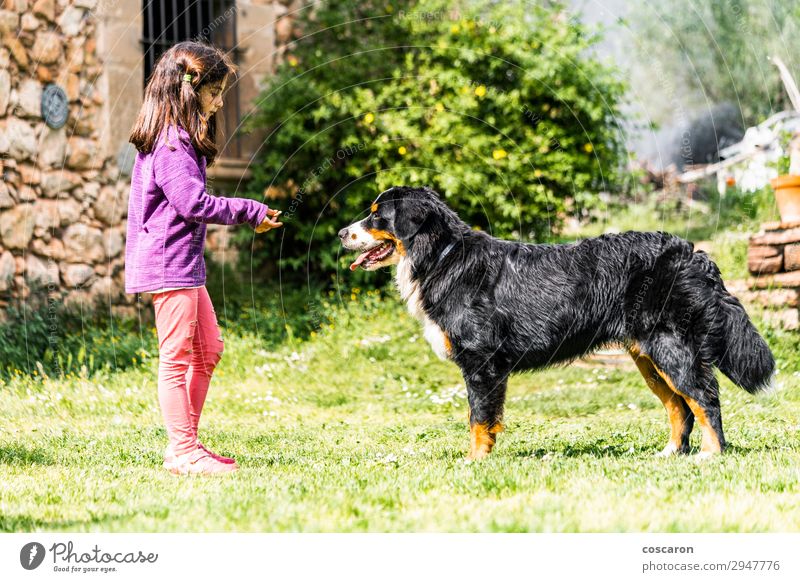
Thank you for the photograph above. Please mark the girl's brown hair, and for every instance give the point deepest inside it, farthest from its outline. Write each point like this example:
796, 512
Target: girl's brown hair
169, 100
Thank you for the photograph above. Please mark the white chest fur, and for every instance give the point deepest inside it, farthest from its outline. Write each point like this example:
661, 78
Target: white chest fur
409, 291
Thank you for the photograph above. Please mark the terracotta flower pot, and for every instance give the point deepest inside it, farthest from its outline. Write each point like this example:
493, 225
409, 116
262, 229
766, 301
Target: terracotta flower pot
787, 195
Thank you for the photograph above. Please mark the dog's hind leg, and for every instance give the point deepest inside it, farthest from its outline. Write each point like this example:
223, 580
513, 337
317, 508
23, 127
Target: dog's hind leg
707, 410
486, 394
681, 418
694, 380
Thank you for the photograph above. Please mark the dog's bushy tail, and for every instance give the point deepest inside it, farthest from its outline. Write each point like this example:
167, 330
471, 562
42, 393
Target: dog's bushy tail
737, 348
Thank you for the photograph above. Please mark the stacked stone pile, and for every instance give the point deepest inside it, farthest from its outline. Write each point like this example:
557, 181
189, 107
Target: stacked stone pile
773, 258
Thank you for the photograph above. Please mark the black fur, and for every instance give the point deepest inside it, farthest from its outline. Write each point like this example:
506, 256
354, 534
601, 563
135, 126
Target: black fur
508, 306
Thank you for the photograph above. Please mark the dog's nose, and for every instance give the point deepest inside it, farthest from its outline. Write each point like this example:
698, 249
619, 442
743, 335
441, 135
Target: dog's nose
343, 233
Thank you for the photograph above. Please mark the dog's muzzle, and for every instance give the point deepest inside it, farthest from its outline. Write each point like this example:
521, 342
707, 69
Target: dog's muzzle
374, 252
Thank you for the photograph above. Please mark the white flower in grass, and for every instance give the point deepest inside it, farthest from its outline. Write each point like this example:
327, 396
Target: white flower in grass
450, 395
368, 341
387, 459
264, 369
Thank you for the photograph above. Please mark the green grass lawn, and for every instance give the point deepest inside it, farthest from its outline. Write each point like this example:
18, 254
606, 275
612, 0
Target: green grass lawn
360, 428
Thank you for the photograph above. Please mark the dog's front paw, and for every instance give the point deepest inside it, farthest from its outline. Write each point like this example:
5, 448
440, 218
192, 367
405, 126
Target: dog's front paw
669, 450
478, 454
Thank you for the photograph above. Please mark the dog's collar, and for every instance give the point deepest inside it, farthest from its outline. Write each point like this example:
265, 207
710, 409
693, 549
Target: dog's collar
446, 250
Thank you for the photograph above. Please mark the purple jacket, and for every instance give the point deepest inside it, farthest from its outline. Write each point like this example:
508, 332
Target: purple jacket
168, 211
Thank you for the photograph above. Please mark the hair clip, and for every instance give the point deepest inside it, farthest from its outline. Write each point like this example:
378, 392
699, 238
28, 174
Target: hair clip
187, 78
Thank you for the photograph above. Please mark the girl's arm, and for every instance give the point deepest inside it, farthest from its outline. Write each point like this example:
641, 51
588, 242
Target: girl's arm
177, 172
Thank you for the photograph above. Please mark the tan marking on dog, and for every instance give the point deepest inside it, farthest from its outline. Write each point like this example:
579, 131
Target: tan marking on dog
671, 400
386, 235
710, 443
482, 438
374, 207
409, 291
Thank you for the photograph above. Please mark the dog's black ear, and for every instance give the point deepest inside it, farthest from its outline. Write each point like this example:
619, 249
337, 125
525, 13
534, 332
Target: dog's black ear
415, 217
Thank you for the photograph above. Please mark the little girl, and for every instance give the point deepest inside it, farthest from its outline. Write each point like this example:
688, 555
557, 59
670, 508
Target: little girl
167, 216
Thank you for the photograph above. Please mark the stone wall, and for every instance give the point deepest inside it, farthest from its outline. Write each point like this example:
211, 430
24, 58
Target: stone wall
64, 192
61, 204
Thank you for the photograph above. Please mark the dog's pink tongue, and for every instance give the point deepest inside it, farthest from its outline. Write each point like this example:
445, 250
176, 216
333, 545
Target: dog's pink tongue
361, 258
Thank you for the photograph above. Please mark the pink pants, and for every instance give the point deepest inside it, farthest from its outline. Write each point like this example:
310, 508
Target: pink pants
190, 346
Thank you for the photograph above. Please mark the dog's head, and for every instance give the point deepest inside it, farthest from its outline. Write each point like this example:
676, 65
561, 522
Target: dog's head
397, 219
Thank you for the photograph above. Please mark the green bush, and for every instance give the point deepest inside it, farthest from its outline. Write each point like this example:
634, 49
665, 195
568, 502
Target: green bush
500, 107
47, 338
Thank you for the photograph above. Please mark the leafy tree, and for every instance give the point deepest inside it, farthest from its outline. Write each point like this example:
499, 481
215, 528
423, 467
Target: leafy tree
499, 106
723, 49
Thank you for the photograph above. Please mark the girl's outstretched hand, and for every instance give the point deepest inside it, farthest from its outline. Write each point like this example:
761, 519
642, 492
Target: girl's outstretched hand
270, 221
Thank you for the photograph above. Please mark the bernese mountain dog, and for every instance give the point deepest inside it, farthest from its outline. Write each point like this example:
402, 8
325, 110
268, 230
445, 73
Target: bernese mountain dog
495, 307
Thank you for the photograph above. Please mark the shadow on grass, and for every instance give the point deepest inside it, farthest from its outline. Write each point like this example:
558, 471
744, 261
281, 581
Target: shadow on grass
15, 454
27, 523
599, 450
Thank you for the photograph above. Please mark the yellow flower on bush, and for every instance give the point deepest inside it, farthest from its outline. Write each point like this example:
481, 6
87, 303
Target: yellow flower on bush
292, 61
455, 29
537, 173
499, 154
588, 148
480, 90
369, 118
402, 150
439, 107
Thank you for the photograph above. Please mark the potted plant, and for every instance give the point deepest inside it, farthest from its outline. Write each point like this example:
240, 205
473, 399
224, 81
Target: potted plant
787, 184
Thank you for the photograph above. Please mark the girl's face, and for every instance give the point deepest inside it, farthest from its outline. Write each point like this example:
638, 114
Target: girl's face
211, 97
